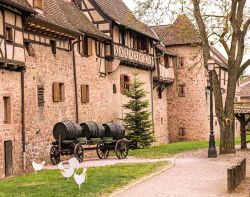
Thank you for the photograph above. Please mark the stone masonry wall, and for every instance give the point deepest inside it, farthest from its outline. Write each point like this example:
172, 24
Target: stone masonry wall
10, 86
190, 111
160, 117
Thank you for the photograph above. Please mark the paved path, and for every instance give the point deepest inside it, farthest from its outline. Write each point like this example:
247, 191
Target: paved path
192, 176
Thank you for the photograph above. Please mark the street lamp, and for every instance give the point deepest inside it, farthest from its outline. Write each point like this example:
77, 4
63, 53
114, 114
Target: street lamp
212, 153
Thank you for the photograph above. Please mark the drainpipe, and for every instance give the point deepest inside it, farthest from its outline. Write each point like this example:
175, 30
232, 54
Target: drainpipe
23, 120
75, 78
152, 99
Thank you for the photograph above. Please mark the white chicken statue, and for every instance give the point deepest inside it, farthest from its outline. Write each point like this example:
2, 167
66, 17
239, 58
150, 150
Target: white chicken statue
38, 167
67, 173
80, 179
60, 166
74, 163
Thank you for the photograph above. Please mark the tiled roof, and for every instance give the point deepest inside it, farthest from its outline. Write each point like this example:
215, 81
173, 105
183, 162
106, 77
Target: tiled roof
181, 32
79, 20
20, 4
54, 18
120, 13
66, 17
218, 54
245, 89
164, 50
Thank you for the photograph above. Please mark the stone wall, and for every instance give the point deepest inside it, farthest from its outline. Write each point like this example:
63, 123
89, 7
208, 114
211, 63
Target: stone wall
160, 117
10, 86
190, 111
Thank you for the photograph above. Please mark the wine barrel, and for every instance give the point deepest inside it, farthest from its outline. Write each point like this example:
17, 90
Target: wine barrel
67, 130
115, 130
92, 130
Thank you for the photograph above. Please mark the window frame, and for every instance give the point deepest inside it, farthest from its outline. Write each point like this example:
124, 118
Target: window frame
6, 110
181, 90
9, 34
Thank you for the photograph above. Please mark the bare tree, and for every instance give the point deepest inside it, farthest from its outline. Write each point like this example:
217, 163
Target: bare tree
225, 22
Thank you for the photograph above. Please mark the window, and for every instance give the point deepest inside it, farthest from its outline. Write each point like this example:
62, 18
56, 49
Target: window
182, 131
87, 46
122, 36
135, 41
166, 61
53, 46
180, 62
58, 92
144, 44
29, 49
161, 59
98, 48
114, 89
159, 91
40, 95
38, 4
9, 34
124, 80
6, 110
85, 93
181, 90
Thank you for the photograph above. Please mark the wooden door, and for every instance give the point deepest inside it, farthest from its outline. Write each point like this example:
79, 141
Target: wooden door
8, 157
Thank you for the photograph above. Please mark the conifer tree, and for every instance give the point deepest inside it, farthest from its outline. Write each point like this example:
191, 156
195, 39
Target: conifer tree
137, 120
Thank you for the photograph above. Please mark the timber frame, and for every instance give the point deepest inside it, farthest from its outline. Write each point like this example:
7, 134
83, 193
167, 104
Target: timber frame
242, 113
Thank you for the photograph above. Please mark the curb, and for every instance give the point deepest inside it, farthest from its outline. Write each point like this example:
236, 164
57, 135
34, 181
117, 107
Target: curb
145, 178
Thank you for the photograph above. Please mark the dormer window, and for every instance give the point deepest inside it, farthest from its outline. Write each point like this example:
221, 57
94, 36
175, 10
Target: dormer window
38, 4
9, 34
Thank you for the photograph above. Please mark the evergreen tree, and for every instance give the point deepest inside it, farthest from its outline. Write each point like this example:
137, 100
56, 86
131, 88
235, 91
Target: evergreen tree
137, 121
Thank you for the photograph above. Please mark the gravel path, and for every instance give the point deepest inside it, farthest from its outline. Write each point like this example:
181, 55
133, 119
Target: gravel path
192, 176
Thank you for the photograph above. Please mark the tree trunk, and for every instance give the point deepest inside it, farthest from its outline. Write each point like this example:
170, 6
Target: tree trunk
227, 127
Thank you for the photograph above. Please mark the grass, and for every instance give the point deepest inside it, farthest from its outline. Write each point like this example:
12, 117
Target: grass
167, 150
100, 181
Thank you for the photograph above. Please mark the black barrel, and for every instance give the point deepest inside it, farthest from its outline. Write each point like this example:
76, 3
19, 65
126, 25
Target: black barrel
92, 130
67, 130
115, 130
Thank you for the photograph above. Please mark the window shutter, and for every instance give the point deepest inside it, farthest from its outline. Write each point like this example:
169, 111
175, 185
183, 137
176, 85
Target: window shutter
129, 85
38, 4
62, 92
56, 92
85, 93
40, 95
90, 47
122, 83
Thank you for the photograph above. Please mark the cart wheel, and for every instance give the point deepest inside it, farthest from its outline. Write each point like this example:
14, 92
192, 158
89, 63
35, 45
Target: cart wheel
101, 151
79, 154
121, 149
54, 155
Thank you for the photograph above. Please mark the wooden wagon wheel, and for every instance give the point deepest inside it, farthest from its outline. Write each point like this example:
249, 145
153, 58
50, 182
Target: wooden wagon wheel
54, 155
78, 152
121, 149
101, 151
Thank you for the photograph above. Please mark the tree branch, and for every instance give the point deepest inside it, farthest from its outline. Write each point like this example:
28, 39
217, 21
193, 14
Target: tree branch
243, 67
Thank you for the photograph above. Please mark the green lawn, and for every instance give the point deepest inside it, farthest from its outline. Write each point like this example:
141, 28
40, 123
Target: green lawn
100, 181
167, 150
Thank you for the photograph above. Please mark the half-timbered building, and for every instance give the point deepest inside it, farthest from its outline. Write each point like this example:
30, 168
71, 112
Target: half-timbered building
12, 66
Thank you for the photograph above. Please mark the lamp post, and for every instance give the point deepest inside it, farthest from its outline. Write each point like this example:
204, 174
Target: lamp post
212, 153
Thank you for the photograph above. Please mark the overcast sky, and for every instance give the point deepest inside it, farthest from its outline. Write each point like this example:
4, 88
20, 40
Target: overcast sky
131, 5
